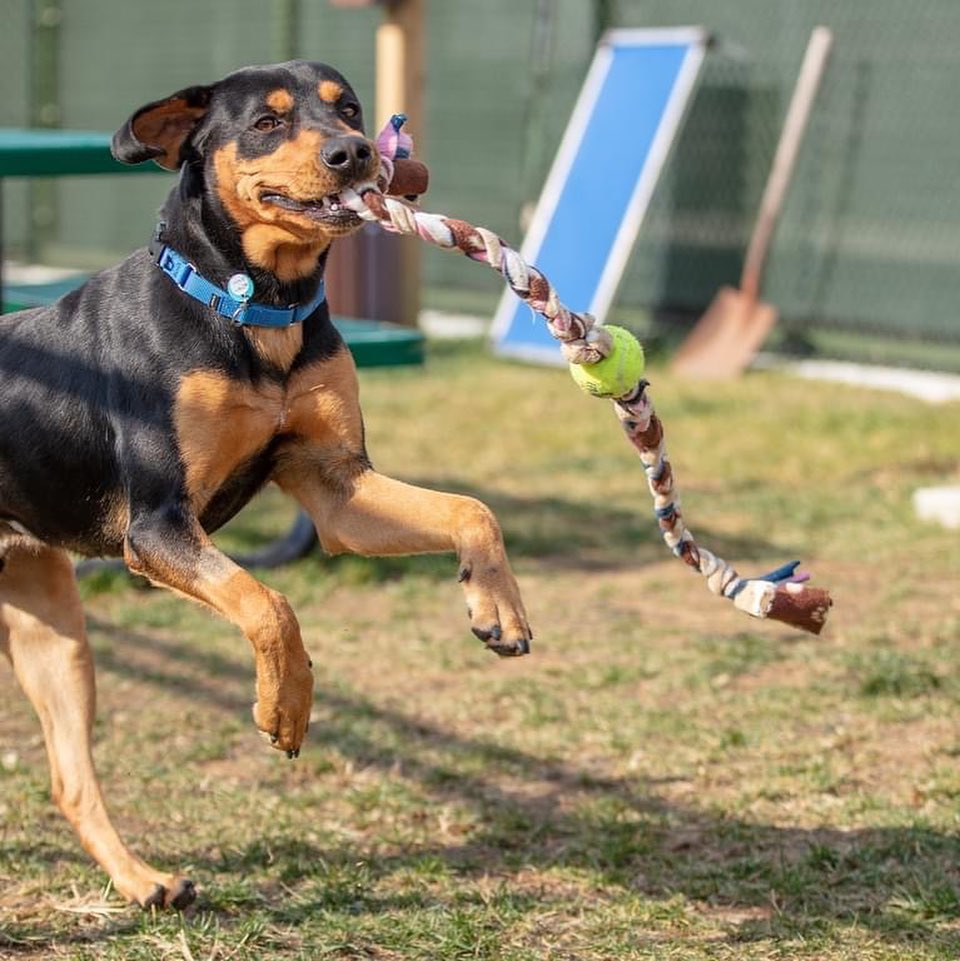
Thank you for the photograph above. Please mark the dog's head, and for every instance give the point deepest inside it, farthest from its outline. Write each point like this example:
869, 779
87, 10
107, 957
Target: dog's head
275, 146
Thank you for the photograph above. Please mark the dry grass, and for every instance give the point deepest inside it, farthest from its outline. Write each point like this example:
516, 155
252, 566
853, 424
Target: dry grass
663, 778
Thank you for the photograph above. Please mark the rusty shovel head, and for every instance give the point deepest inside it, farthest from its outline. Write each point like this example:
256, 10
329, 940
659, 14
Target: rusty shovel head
726, 338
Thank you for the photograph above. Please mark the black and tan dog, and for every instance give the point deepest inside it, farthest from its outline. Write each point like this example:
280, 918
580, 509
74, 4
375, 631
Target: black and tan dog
143, 410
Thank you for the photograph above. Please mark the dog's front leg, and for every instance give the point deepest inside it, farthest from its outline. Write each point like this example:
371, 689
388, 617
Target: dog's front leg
169, 547
373, 514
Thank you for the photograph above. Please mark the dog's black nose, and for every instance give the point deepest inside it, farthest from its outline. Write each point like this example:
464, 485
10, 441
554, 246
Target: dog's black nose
348, 156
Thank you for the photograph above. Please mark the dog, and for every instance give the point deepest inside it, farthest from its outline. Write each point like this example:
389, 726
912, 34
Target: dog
141, 411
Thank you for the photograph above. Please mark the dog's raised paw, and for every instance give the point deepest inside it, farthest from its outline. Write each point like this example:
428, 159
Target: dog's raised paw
495, 609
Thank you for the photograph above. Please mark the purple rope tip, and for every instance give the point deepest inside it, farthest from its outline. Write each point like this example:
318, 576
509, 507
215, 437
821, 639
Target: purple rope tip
401, 151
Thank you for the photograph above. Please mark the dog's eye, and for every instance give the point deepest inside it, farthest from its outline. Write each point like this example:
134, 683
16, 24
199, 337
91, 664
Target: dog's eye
267, 123
350, 110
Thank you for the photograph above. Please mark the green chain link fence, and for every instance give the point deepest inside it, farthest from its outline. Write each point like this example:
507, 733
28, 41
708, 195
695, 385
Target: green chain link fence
868, 247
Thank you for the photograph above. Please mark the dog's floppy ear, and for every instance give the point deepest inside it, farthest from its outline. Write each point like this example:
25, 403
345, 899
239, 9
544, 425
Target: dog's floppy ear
158, 130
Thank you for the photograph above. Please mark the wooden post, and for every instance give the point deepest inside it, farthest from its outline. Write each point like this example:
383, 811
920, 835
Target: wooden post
287, 25
400, 89
400, 61
375, 275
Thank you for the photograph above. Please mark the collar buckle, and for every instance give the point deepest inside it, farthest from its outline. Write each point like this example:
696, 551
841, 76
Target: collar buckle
177, 270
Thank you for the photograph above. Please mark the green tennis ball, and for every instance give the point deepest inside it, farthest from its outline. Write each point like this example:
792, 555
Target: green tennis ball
617, 374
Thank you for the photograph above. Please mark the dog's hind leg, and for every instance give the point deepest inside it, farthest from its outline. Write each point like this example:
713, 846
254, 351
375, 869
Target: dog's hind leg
42, 632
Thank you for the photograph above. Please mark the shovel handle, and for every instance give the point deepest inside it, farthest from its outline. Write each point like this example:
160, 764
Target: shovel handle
798, 114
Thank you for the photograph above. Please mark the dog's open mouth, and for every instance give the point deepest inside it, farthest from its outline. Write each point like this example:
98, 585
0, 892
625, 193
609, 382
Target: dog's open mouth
327, 210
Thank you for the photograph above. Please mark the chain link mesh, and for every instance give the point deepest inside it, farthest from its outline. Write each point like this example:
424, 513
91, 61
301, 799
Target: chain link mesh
869, 239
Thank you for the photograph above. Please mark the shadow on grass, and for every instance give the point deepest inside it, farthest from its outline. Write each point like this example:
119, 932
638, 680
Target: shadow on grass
894, 881
541, 813
561, 532
593, 533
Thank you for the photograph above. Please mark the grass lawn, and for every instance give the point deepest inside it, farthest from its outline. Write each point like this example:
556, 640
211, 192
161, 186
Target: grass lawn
663, 778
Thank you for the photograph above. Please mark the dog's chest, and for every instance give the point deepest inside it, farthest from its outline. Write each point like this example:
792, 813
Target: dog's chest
227, 429
222, 425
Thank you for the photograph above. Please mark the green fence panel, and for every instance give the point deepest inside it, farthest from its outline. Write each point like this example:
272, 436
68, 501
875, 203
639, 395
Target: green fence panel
869, 240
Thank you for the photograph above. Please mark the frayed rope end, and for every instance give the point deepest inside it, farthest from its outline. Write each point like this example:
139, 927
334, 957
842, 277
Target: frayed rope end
783, 596
801, 606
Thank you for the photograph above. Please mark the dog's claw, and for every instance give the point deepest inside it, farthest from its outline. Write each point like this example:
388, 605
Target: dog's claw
518, 649
493, 638
274, 739
180, 896
183, 894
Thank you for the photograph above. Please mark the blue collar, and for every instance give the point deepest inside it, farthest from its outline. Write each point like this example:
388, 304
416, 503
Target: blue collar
239, 309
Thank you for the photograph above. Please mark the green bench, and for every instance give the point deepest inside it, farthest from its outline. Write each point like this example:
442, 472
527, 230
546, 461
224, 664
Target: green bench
373, 344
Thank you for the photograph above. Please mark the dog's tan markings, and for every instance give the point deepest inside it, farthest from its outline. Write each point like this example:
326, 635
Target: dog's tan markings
267, 619
294, 169
326, 425
239, 206
280, 100
221, 423
330, 91
115, 520
324, 404
278, 346
366, 513
276, 249
42, 632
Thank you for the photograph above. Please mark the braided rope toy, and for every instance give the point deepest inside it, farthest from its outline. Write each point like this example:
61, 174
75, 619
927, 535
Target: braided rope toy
605, 361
